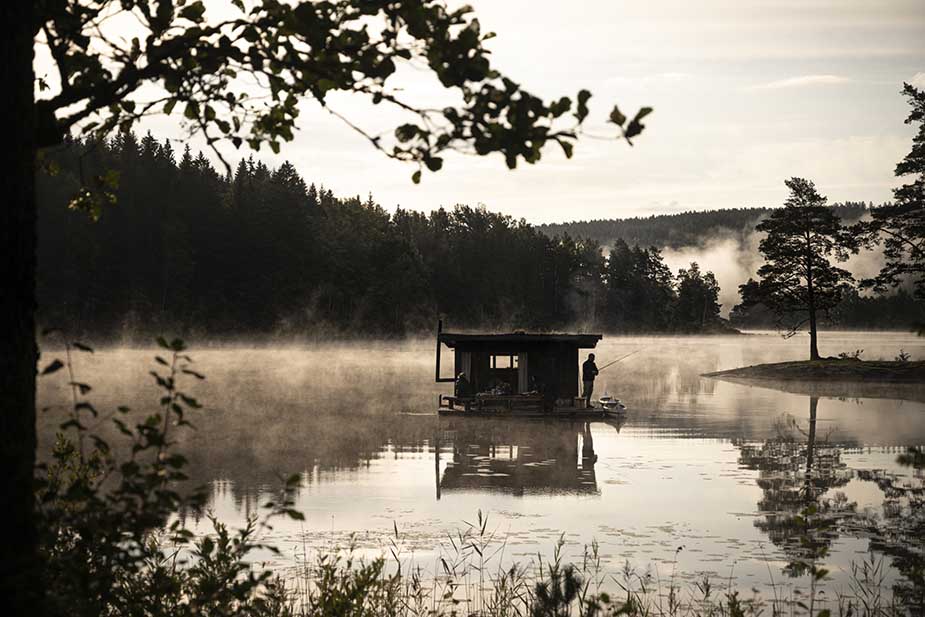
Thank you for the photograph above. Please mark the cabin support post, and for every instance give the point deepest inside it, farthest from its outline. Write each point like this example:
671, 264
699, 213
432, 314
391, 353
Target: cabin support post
437, 367
437, 377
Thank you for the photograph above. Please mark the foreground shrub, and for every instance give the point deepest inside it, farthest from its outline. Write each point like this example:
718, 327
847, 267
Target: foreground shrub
110, 542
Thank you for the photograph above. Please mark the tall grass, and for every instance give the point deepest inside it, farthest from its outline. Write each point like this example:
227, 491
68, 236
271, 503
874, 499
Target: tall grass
471, 577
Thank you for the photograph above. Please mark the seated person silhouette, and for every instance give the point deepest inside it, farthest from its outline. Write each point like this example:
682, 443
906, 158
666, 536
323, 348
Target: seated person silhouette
463, 387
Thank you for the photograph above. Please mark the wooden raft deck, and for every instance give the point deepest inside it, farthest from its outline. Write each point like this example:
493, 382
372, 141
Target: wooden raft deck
516, 405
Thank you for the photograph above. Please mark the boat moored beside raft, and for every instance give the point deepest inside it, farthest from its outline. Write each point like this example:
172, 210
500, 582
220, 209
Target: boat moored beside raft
516, 374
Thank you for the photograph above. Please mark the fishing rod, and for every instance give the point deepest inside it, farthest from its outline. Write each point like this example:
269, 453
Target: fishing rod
618, 360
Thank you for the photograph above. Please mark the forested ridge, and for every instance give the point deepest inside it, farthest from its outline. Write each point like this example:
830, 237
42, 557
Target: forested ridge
187, 248
684, 228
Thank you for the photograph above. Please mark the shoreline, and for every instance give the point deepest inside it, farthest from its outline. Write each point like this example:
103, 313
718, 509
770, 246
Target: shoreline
830, 370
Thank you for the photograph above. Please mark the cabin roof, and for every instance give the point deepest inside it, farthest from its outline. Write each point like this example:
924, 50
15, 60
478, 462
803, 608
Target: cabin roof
580, 341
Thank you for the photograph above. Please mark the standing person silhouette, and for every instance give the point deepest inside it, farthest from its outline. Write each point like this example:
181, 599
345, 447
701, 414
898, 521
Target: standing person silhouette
588, 373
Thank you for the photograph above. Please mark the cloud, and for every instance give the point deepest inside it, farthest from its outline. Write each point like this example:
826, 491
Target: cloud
918, 80
665, 78
804, 80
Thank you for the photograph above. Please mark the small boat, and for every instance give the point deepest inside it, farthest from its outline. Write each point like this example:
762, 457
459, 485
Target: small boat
612, 405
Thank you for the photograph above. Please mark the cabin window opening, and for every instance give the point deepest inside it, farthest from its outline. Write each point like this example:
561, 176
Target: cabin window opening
503, 374
504, 361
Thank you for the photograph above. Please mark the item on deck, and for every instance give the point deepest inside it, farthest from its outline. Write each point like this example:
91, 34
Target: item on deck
611, 404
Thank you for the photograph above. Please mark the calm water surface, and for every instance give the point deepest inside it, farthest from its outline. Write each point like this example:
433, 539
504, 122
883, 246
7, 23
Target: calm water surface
714, 468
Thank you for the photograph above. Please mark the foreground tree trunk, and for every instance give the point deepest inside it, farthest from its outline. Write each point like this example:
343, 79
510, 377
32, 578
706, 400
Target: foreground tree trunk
20, 583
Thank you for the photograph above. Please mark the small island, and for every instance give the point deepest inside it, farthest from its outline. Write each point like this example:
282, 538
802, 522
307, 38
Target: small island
831, 370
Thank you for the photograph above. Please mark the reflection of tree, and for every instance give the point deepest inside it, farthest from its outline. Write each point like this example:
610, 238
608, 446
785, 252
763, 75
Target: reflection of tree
519, 457
795, 473
900, 532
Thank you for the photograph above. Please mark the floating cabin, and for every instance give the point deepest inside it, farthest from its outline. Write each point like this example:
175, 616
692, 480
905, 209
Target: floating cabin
518, 373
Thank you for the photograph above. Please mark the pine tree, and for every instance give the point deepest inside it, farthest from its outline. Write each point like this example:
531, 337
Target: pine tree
698, 299
901, 225
640, 289
798, 281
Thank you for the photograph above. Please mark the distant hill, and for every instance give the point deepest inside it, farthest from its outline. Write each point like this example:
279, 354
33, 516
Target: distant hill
680, 230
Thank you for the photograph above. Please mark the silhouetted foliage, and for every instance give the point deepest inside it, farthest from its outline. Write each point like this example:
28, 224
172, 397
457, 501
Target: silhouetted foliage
109, 538
293, 52
900, 226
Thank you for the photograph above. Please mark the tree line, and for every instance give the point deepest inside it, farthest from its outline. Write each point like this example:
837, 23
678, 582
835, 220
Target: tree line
685, 229
189, 249
257, 251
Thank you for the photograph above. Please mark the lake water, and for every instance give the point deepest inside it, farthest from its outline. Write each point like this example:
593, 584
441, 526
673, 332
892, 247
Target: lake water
701, 477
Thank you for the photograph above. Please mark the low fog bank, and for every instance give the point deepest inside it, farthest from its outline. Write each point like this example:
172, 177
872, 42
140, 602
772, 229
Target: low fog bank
274, 409
421, 343
733, 260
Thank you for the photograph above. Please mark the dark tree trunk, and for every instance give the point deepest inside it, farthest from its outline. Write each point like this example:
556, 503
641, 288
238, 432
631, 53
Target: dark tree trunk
20, 583
811, 304
813, 338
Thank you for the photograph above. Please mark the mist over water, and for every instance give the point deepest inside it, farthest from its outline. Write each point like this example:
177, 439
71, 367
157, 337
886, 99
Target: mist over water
696, 463
731, 260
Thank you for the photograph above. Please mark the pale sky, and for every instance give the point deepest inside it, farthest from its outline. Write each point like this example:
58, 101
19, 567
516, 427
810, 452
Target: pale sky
746, 94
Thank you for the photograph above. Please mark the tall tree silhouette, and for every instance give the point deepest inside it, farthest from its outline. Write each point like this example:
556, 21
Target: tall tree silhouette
797, 280
901, 225
187, 62
20, 584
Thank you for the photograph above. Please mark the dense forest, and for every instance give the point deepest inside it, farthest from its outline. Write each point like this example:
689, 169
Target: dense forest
895, 311
188, 249
685, 228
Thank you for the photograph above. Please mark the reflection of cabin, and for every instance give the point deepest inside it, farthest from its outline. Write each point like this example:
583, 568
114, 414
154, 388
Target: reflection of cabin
516, 370
519, 459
